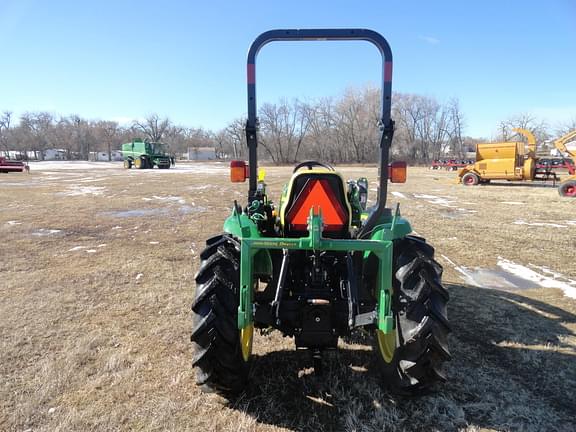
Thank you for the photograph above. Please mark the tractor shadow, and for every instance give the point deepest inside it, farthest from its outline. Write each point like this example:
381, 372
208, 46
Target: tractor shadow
514, 360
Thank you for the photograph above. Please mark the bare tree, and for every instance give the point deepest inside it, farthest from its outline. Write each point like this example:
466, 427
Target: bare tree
153, 127
565, 127
427, 129
282, 130
219, 140
235, 138
323, 143
357, 123
109, 132
457, 123
5, 123
523, 121
35, 128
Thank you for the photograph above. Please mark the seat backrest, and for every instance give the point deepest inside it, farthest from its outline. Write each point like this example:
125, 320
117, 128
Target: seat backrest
321, 189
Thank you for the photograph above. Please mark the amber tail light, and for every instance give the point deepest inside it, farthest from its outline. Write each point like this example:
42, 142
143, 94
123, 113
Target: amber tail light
397, 172
238, 171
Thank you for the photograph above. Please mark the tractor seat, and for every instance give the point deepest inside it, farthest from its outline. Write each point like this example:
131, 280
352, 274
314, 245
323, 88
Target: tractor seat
319, 188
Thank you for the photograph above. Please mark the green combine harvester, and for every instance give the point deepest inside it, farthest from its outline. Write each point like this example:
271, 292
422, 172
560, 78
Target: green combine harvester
319, 265
145, 154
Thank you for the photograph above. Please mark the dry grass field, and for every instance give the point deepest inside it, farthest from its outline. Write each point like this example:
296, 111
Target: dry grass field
97, 276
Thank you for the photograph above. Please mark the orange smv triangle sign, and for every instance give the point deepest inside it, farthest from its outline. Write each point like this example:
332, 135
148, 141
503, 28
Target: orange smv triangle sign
317, 193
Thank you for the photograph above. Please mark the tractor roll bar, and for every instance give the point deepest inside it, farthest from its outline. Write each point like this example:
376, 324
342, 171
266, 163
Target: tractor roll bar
386, 124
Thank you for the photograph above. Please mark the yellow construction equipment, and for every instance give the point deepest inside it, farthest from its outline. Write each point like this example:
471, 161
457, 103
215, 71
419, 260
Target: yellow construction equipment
568, 187
516, 161
502, 161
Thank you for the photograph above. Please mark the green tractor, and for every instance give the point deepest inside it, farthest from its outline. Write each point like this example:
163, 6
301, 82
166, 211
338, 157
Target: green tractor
320, 265
144, 154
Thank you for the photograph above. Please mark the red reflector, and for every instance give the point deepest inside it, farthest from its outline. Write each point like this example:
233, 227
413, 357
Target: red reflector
317, 193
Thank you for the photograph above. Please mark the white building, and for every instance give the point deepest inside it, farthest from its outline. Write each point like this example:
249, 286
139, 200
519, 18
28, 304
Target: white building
201, 153
54, 154
102, 156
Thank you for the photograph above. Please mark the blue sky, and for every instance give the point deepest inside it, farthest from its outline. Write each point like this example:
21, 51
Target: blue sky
186, 60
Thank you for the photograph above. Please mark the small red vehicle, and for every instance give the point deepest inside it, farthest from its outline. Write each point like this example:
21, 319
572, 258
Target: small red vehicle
7, 166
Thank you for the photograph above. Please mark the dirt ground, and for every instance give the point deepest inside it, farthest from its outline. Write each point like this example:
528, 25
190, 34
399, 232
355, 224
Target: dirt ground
97, 276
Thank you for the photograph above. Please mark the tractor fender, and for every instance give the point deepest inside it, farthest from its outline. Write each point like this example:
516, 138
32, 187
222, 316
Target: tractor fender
399, 228
241, 226
390, 231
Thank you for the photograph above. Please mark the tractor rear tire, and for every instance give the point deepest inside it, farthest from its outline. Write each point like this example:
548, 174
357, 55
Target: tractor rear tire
413, 365
470, 179
127, 164
221, 363
567, 189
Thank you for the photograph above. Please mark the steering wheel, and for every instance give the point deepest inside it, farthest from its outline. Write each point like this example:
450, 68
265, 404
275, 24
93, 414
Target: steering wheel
311, 164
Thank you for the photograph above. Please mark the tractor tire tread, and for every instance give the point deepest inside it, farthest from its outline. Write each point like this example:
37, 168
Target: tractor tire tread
419, 305
217, 352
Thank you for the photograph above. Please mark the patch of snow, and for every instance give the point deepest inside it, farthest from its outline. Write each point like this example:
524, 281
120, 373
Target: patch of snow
566, 285
178, 199
76, 248
154, 242
18, 184
14, 223
199, 187
72, 165
399, 194
511, 202
571, 222
188, 168
433, 199
117, 227
189, 209
91, 179
550, 224
46, 232
448, 260
101, 245
91, 251
135, 213
139, 275
83, 190
467, 275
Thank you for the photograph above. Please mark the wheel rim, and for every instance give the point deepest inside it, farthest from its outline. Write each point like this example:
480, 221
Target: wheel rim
469, 180
570, 190
386, 344
246, 337
138, 163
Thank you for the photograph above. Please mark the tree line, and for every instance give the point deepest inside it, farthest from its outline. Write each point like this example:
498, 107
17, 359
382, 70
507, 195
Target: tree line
339, 130
36, 132
346, 129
